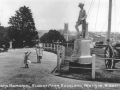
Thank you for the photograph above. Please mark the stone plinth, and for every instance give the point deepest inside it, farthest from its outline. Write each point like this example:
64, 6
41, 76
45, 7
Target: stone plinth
85, 59
81, 53
77, 50
85, 47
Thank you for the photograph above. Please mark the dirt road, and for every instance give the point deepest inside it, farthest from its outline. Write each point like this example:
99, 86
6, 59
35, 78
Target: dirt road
13, 75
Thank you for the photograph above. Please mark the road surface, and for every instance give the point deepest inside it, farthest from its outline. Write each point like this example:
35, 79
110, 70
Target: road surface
38, 76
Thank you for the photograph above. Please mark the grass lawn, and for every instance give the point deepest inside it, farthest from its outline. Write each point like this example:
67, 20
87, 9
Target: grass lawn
12, 71
101, 75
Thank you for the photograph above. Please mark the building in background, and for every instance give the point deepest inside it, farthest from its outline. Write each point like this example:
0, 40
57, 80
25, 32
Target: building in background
99, 38
66, 32
68, 35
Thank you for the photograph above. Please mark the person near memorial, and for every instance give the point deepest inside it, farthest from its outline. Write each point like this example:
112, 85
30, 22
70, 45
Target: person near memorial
5, 48
26, 59
10, 44
39, 52
81, 20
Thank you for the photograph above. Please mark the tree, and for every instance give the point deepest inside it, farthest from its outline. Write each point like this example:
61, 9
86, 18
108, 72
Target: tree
4, 38
22, 27
51, 36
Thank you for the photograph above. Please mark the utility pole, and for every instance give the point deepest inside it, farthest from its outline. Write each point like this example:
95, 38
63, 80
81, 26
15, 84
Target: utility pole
109, 20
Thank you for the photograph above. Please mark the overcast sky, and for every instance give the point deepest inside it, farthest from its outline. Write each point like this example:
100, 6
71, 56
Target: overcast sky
52, 14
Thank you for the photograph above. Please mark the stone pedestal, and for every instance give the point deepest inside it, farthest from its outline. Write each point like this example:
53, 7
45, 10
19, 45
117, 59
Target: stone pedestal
81, 56
85, 57
81, 53
77, 50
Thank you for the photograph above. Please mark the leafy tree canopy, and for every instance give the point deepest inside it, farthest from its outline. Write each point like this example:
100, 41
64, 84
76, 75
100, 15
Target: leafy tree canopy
52, 35
22, 27
4, 38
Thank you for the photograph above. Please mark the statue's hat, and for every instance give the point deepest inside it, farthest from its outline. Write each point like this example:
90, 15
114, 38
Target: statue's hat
81, 4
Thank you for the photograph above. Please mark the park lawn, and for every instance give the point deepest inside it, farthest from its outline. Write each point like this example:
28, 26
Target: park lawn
101, 75
12, 71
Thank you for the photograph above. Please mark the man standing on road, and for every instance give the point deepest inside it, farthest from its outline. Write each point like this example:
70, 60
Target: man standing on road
39, 52
81, 20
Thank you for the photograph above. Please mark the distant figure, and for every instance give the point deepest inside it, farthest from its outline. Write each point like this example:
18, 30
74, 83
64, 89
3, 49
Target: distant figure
26, 59
4, 48
10, 45
14, 43
81, 20
39, 52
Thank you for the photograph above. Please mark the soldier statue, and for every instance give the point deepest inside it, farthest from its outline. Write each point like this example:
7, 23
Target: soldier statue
81, 20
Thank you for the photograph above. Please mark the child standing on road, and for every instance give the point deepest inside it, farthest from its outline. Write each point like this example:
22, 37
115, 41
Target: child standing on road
26, 59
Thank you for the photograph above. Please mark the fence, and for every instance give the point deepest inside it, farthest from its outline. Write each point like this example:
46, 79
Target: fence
94, 68
59, 60
60, 50
52, 46
61, 57
110, 59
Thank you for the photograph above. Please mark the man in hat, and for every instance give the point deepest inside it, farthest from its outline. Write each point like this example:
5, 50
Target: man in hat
81, 20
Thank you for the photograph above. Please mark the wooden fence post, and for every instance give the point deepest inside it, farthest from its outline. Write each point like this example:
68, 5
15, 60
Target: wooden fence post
57, 47
63, 55
60, 47
63, 52
51, 46
67, 44
58, 60
54, 47
44, 45
47, 45
93, 66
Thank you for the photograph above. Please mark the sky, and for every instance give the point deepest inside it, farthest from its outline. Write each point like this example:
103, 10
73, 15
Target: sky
52, 14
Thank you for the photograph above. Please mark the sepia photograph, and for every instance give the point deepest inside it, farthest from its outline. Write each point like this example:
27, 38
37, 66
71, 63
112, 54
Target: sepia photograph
59, 45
